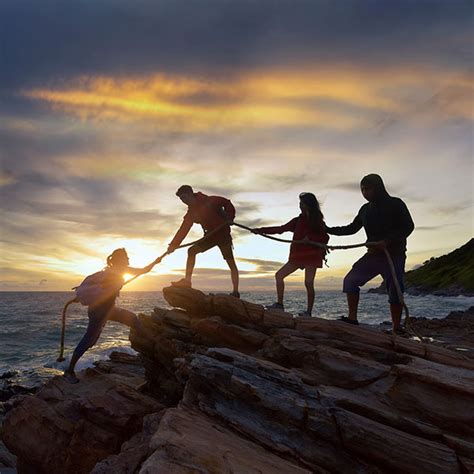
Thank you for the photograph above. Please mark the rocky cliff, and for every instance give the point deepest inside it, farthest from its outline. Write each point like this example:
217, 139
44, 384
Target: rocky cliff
449, 275
231, 387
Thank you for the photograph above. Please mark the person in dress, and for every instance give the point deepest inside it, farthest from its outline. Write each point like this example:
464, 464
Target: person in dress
309, 225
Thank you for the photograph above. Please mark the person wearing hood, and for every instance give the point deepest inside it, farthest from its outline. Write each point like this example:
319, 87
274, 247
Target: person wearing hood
211, 212
387, 224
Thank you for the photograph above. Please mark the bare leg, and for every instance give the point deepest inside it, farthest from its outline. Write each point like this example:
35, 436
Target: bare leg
190, 262
310, 273
396, 313
280, 276
353, 304
234, 274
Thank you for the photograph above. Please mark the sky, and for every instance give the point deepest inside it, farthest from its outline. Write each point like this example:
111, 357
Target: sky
108, 106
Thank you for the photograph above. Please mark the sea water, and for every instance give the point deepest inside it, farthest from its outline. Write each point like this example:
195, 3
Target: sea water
30, 323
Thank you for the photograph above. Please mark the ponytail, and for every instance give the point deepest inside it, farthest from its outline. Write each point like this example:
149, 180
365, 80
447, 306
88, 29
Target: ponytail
117, 253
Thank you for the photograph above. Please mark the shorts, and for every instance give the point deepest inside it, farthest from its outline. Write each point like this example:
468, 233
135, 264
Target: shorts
224, 243
371, 265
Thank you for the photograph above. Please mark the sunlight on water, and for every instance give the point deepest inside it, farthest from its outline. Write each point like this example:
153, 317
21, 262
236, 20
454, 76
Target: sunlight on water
31, 322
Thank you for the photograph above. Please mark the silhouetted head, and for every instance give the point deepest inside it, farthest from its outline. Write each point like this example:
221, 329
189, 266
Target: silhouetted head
372, 187
186, 194
118, 258
309, 206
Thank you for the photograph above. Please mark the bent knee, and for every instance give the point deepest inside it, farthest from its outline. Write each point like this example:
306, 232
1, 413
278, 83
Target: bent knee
192, 252
279, 276
351, 283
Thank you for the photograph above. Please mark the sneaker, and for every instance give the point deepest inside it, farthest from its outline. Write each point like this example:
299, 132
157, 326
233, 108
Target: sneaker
235, 294
183, 283
304, 315
345, 319
70, 377
277, 306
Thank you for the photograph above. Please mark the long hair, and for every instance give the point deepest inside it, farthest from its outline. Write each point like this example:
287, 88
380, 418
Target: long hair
116, 254
316, 218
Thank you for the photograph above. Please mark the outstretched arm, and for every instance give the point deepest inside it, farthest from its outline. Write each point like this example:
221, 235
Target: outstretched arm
140, 271
288, 227
181, 233
350, 229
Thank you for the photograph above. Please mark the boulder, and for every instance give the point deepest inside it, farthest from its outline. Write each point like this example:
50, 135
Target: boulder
68, 428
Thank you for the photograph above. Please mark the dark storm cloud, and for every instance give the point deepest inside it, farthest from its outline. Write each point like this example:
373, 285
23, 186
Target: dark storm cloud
55, 40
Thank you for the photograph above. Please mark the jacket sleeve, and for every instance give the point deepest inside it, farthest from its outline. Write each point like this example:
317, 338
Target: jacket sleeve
403, 226
225, 205
288, 227
350, 229
183, 230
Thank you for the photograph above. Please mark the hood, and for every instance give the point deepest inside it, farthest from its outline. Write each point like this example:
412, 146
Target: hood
376, 182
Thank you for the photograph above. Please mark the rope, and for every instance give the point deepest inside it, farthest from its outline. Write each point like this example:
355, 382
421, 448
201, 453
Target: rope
407, 321
63, 328
277, 239
157, 260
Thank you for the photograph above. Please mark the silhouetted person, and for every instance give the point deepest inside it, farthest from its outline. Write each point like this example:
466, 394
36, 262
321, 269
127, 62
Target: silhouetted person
211, 212
387, 223
308, 225
104, 309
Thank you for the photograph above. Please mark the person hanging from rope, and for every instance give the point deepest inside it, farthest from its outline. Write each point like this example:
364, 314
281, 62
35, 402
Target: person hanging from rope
387, 223
99, 292
309, 225
211, 212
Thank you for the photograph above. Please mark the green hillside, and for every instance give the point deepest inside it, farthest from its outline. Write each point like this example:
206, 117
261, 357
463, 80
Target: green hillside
452, 271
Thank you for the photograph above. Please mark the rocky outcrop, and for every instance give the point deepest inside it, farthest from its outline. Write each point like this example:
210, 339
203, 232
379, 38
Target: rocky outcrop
455, 331
69, 428
248, 390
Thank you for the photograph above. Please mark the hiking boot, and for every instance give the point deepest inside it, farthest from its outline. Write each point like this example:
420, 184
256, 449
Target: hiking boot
183, 283
305, 315
70, 377
235, 294
277, 306
345, 319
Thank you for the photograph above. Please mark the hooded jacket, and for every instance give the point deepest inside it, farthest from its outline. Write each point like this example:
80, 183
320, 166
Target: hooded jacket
385, 218
210, 212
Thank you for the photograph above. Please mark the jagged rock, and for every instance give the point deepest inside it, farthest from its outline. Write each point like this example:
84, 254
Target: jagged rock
250, 390
134, 452
7, 459
214, 332
393, 450
68, 428
188, 441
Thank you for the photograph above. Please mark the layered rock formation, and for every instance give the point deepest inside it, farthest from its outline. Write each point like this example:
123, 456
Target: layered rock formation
248, 390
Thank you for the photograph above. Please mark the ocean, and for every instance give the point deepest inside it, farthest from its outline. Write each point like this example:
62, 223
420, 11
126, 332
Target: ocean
30, 323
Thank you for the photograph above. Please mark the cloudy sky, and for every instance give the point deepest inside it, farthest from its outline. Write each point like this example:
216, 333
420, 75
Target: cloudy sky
108, 106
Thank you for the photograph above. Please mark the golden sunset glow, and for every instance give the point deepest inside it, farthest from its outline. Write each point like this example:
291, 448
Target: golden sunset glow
96, 138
